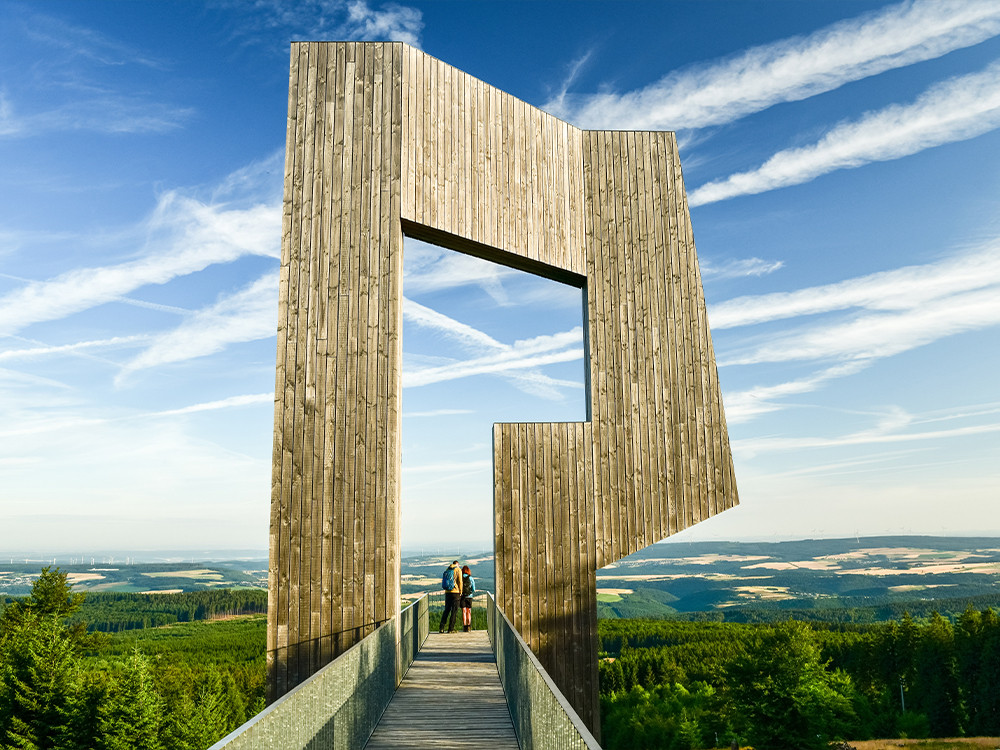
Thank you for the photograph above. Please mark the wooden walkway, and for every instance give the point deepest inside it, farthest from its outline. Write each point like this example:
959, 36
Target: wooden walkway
455, 674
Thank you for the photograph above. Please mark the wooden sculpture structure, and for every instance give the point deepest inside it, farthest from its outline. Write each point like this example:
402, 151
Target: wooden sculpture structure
384, 140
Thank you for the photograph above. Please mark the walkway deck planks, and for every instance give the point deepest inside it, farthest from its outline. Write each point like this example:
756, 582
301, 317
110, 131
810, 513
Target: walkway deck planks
456, 669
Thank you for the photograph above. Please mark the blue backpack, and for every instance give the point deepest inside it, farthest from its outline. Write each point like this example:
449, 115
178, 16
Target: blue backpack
448, 579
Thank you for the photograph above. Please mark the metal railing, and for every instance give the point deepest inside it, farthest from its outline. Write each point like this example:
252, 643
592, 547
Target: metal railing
340, 705
543, 718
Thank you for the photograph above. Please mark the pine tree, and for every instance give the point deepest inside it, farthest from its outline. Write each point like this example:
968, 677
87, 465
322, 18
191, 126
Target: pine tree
38, 682
783, 697
130, 716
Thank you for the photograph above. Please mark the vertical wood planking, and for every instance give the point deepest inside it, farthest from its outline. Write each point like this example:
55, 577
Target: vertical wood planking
277, 621
489, 168
334, 548
315, 346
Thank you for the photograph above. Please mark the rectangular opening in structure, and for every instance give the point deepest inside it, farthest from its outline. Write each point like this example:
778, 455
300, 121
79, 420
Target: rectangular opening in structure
482, 343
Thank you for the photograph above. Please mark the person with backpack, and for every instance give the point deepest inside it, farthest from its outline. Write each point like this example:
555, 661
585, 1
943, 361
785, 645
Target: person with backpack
451, 582
468, 591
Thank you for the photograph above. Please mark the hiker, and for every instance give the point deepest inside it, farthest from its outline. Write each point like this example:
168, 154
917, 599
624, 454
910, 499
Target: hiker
451, 582
468, 591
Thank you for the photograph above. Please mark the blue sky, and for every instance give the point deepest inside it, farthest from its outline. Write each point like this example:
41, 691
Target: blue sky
841, 161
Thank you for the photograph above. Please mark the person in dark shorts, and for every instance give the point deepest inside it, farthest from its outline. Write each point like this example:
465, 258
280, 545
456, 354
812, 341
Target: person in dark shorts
468, 591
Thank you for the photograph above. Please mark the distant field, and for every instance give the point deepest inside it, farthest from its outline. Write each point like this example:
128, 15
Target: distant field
841, 580
951, 743
197, 573
17, 578
838, 579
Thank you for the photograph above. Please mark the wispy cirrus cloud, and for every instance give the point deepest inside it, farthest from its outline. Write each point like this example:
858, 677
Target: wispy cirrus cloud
77, 81
857, 322
428, 268
107, 113
80, 43
738, 268
248, 315
462, 333
954, 110
79, 347
20, 422
880, 435
898, 289
518, 361
249, 399
545, 350
184, 236
879, 335
436, 413
788, 70
335, 19
742, 406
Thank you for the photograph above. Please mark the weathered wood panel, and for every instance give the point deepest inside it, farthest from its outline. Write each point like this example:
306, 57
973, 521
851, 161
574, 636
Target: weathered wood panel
334, 524
657, 450
384, 139
489, 175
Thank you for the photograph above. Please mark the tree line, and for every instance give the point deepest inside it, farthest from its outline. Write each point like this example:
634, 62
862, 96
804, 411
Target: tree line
65, 688
112, 612
687, 685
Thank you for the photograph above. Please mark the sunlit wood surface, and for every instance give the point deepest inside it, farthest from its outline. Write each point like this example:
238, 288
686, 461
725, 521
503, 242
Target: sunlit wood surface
450, 698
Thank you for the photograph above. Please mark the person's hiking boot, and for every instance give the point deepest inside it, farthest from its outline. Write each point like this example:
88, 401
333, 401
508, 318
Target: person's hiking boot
466, 628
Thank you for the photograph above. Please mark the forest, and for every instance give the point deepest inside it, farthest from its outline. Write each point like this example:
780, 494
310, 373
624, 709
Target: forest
165, 671
181, 687
114, 612
793, 685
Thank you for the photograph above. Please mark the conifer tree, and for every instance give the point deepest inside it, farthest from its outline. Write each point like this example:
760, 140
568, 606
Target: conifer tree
38, 680
783, 697
130, 716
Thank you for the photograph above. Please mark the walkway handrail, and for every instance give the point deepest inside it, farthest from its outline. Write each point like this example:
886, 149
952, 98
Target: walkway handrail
543, 718
339, 706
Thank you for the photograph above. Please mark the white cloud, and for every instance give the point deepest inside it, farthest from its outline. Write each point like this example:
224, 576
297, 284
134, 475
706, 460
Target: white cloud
394, 22
249, 315
879, 335
78, 347
464, 334
251, 399
738, 268
334, 19
858, 321
955, 110
518, 359
184, 236
898, 289
428, 268
789, 70
436, 413
867, 437
742, 406
72, 82
515, 362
